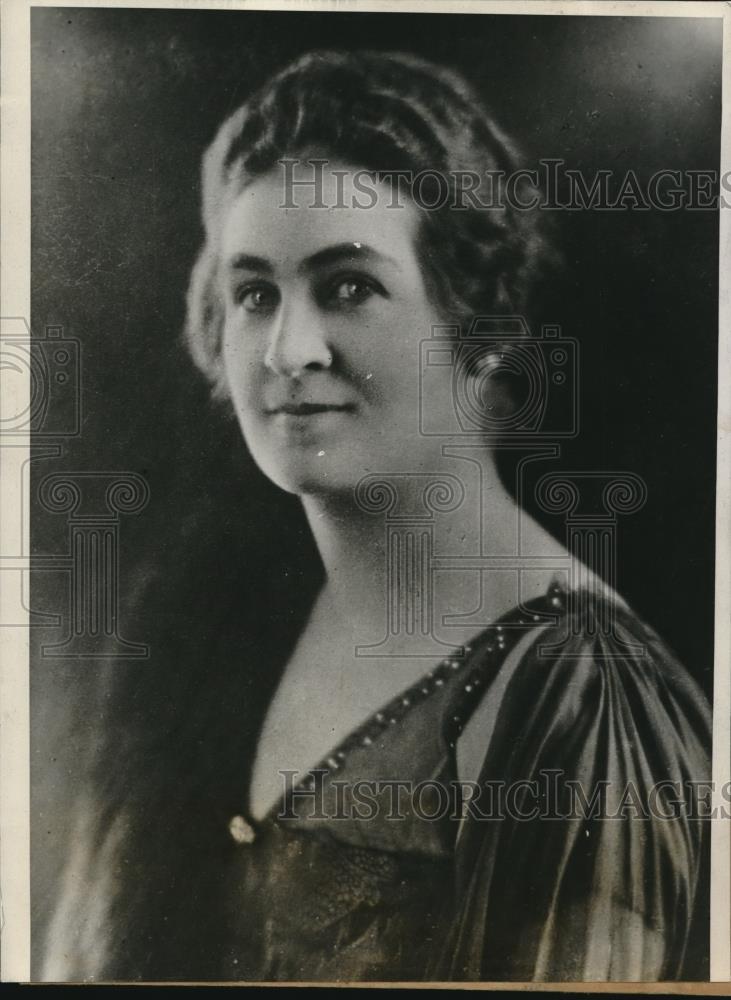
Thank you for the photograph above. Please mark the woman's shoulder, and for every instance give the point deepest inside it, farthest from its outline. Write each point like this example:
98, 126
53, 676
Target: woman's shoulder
583, 669
589, 754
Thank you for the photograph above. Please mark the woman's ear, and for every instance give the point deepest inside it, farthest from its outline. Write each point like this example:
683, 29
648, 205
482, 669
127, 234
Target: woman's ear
489, 387
205, 318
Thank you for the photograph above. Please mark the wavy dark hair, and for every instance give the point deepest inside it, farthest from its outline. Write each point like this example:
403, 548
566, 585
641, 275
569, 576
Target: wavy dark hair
387, 113
147, 865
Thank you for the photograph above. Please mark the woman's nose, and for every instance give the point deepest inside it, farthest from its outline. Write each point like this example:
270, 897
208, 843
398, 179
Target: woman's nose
297, 342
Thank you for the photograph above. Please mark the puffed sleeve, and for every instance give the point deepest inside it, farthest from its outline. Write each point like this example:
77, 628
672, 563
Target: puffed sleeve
588, 860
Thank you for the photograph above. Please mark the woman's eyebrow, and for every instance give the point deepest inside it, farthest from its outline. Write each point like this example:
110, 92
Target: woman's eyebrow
322, 258
249, 262
345, 251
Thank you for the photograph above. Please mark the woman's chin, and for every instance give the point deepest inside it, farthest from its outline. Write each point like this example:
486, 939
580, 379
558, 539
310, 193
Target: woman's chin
313, 477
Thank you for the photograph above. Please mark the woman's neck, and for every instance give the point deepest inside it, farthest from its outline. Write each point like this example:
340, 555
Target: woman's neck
378, 564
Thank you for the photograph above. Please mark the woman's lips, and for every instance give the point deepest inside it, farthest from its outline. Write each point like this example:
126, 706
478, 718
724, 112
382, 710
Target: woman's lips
307, 422
309, 409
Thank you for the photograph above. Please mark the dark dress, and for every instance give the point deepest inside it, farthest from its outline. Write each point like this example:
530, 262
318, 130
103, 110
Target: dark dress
566, 861
354, 876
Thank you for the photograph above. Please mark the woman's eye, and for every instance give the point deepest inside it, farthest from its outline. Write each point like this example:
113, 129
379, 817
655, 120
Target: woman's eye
257, 299
352, 291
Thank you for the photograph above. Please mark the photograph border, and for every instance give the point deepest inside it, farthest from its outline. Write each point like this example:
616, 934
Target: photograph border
15, 203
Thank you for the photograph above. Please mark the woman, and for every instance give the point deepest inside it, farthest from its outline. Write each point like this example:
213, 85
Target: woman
304, 796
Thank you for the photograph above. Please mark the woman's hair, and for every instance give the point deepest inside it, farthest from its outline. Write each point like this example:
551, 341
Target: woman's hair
384, 112
180, 730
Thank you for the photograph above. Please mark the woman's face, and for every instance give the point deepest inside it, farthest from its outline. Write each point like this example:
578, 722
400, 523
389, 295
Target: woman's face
326, 309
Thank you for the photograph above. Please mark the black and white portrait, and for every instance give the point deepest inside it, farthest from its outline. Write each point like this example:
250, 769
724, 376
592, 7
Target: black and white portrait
372, 493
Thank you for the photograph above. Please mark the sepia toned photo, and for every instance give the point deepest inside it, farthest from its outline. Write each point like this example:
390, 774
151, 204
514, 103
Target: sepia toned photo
372, 573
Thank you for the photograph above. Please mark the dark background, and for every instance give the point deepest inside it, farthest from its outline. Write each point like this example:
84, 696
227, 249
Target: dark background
123, 104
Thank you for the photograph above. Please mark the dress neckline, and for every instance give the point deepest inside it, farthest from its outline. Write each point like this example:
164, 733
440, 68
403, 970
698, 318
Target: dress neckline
499, 637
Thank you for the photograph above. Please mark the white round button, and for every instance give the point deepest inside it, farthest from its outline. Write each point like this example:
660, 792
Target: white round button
241, 831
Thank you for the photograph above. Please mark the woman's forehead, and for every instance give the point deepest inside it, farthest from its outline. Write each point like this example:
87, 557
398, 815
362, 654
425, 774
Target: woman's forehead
287, 217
